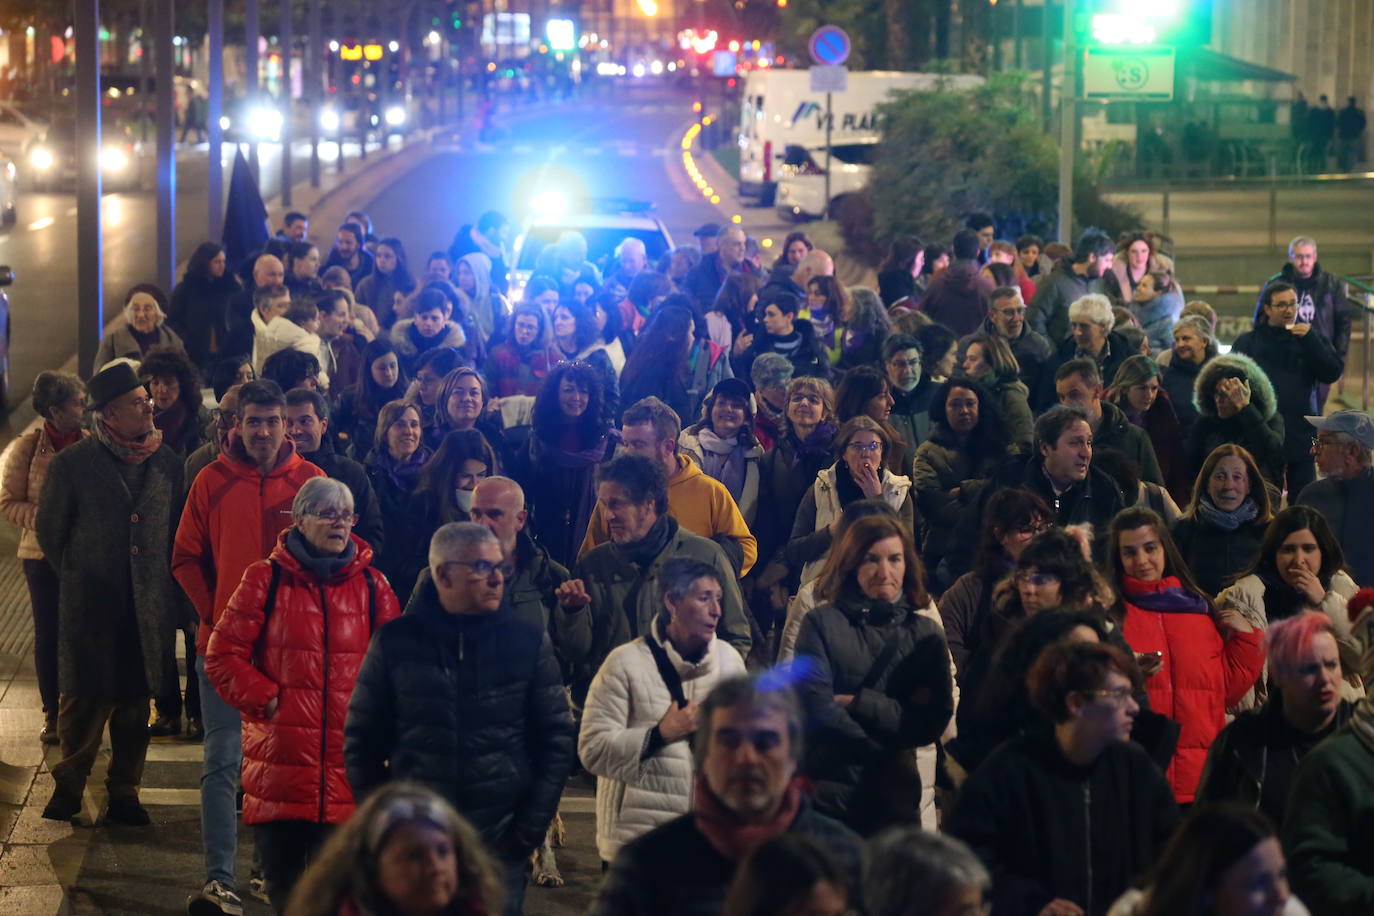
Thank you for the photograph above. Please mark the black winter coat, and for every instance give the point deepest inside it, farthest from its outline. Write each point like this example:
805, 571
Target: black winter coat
673, 871
1331, 313
1043, 396
473, 707
1296, 366
198, 311
1257, 427
1252, 760
1178, 379
809, 359
1214, 555
1048, 829
782, 487
896, 665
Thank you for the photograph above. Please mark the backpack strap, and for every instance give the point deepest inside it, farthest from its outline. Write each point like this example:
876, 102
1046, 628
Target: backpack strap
271, 602
666, 670
371, 599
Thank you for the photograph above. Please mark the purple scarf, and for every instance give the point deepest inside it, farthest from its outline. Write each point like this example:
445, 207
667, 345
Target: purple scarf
1167, 596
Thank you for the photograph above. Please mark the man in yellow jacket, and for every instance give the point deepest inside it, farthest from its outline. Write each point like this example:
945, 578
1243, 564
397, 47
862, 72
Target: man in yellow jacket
700, 504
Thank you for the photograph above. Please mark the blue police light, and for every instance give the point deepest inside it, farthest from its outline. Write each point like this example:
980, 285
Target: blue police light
549, 204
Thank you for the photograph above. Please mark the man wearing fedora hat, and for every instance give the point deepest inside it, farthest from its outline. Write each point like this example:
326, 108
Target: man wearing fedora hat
1345, 494
105, 521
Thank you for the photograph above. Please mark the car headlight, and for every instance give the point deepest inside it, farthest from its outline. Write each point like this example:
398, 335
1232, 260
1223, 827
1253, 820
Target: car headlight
224, 122
330, 122
638, 71
395, 116
41, 159
549, 204
265, 123
113, 159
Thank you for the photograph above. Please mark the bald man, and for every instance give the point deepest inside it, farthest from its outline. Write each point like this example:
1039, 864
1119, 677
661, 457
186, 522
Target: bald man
816, 263
498, 504
704, 281
268, 270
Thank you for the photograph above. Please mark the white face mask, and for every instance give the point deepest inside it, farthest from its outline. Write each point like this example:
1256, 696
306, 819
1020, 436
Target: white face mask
464, 499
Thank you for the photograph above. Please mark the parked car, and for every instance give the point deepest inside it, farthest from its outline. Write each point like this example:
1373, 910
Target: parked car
18, 130
51, 161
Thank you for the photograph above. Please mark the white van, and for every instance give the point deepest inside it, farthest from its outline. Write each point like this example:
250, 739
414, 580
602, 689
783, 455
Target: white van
778, 110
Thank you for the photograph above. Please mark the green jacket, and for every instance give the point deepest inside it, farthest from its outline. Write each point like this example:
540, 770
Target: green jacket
626, 598
1327, 833
939, 467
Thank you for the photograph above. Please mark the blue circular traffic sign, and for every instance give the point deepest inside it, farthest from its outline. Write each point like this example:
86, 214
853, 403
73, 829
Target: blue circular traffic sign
830, 45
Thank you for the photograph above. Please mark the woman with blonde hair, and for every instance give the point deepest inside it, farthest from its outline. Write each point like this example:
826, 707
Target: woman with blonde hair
404, 851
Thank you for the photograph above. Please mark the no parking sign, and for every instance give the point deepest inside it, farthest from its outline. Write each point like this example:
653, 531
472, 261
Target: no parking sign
830, 45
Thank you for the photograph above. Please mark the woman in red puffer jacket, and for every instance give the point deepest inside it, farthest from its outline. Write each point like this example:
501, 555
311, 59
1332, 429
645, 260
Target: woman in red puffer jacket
285, 653
1197, 661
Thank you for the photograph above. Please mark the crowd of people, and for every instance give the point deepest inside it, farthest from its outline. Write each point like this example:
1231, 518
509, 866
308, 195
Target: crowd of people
996, 588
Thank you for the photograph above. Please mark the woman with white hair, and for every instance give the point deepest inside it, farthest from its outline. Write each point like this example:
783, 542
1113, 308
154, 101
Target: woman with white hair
144, 327
913, 872
1090, 337
285, 653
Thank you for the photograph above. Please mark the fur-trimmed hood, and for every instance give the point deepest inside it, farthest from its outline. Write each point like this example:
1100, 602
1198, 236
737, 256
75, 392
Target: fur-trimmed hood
1219, 367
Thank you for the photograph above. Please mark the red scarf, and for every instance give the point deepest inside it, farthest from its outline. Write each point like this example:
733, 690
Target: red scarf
61, 440
723, 829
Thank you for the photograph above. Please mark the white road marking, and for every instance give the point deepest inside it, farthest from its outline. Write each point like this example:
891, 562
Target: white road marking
43, 223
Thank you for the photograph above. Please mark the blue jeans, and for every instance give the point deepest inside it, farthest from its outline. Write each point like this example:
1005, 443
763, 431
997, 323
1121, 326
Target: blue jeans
219, 781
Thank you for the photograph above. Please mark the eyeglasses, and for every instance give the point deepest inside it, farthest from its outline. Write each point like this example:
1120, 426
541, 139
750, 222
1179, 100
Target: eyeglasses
904, 363
1037, 579
1031, 531
805, 399
334, 515
137, 404
483, 569
862, 447
1117, 696
1008, 313
1319, 442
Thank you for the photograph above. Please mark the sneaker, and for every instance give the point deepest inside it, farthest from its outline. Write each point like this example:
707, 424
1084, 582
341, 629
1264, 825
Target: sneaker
126, 810
257, 886
62, 806
49, 733
165, 726
195, 730
215, 899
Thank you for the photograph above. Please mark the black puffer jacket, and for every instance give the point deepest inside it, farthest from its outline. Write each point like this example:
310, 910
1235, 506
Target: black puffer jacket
1178, 378
1214, 555
1257, 427
474, 708
1331, 316
896, 665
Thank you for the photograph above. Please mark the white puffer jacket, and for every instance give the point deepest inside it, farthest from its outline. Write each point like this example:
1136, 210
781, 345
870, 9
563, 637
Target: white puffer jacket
828, 508
626, 700
1247, 596
803, 603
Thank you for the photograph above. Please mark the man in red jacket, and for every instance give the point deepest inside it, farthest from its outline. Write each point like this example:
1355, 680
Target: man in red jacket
236, 509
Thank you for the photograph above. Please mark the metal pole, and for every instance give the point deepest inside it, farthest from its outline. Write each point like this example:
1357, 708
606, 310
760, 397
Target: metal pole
1047, 64
287, 107
144, 73
316, 93
251, 32
1164, 214
1068, 115
166, 149
829, 125
214, 108
90, 313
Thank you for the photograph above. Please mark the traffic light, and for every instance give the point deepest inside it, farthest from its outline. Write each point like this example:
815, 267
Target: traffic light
1179, 23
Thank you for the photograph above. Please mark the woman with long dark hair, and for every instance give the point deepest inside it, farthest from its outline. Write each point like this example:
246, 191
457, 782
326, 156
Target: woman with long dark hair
390, 276
659, 366
879, 684
427, 390
789, 469
1197, 662
382, 380
1139, 391
967, 444
199, 307
897, 275
1300, 567
443, 493
302, 271
989, 360
826, 300
732, 311
571, 436
1224, 860
865, 391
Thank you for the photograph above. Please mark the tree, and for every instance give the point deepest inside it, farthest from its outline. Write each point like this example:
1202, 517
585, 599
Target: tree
947, 153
